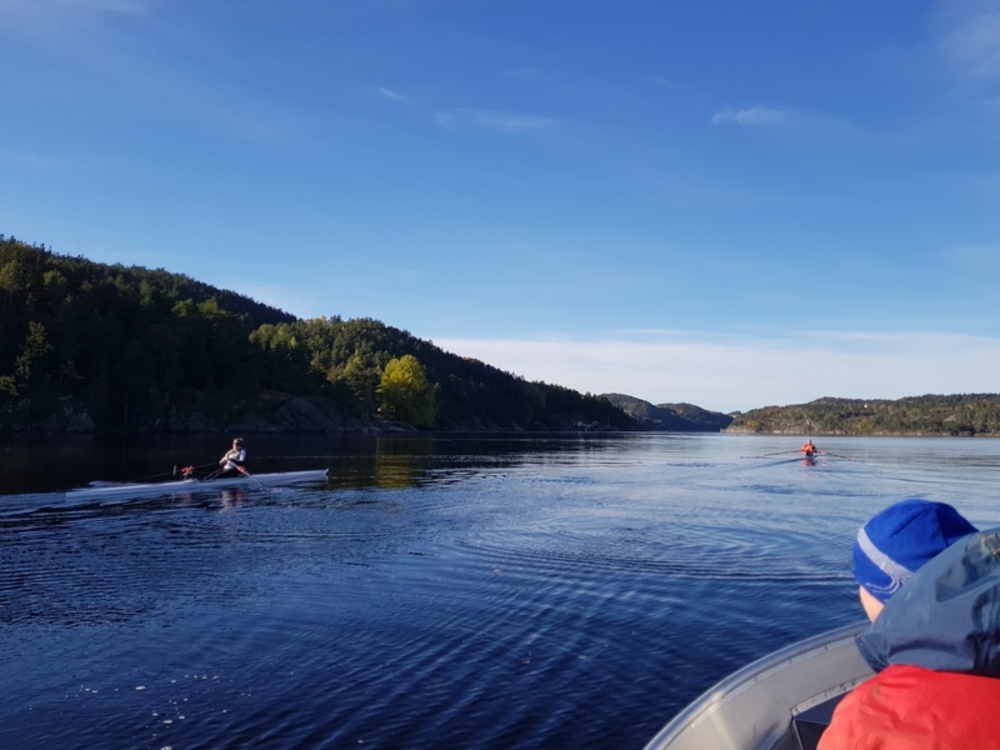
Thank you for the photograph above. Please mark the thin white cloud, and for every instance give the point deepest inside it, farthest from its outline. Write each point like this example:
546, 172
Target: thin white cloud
488, 119
751, 116
523, 74
659, 80
146, 59
980, 257
14, 7
46, 162
789, 120
40, 19
127, 7
390, 94
970, 38
728, 374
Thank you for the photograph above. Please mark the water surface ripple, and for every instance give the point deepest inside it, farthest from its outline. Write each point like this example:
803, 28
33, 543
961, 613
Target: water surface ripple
445, 592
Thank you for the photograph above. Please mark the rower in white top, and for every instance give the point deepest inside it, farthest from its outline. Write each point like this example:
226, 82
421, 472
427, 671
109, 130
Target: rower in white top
232, 462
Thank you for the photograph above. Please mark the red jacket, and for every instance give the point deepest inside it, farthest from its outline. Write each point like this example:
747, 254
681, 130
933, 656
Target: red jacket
936, 651
913, 708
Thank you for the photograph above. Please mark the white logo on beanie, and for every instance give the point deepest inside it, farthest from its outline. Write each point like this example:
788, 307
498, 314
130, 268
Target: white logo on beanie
897, 573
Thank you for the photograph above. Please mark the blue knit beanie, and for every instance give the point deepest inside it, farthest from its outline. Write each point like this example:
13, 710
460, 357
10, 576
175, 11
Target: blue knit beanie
893, 545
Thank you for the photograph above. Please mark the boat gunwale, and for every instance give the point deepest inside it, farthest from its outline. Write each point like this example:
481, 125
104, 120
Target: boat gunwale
747, 677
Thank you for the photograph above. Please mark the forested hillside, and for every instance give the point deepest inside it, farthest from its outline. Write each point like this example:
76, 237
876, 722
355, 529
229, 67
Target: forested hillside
966, 414
93, 347
670, 417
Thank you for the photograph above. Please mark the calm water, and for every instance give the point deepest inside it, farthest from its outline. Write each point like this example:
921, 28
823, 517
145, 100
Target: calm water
507, 592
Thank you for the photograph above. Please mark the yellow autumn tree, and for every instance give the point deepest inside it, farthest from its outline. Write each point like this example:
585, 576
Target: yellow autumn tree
405, 393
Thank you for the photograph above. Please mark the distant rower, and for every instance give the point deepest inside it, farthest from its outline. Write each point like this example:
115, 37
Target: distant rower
808, 449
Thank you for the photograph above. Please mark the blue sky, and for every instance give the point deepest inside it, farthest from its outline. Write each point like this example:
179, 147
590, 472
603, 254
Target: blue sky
721, 202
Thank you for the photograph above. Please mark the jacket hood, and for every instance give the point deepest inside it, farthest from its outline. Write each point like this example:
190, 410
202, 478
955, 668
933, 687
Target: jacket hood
947, 617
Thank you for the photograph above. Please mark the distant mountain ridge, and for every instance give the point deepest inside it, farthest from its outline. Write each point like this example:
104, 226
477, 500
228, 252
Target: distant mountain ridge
958, 414
669, 417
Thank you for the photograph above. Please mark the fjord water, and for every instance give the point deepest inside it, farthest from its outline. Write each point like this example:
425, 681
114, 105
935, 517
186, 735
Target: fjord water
437, 592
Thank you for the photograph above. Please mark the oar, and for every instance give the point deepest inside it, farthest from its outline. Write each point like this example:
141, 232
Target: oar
781, 461
212, 474
246, 473
768, 455
242, 471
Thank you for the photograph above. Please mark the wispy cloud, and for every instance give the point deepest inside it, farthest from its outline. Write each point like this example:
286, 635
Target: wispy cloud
390, 94
979, 257
659, 80
751, 116
45, 162
140, 56
788, 120
13, 7
39, 19
729, 373
488, 119
970, 38
129, 7
524, 74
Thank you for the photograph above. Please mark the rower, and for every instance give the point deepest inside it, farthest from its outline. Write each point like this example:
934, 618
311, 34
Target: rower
808, 449
232, 462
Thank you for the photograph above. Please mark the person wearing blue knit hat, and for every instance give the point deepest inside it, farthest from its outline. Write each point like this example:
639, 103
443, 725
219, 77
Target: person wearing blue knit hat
930, 583
897, 542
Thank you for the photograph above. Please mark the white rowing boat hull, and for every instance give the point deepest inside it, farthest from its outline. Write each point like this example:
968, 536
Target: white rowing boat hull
780, 702
184, 486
